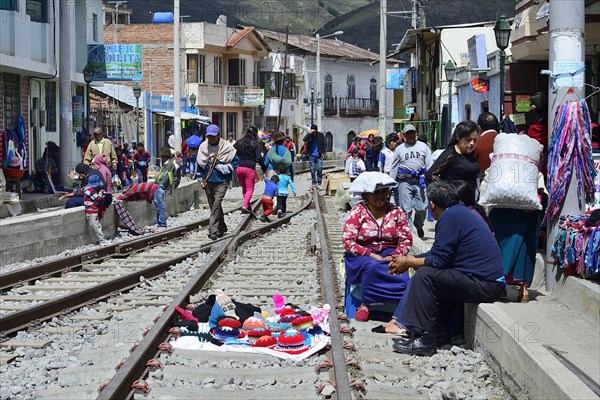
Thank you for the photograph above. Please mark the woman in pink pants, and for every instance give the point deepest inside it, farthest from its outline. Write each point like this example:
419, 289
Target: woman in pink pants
248, 150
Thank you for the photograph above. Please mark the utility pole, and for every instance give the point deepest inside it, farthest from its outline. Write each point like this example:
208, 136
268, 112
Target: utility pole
66, 101
567, 22
421, 65
382, 65
287, 32
177, 79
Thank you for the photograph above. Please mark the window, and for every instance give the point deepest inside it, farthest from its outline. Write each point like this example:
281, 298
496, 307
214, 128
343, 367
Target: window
256, 74
50, 106
232, 124
271, 82
236, 72
196, 68
373, 90
12, 100
8, 5
328, 86
95, 27
351, 86
218, 66
37, 10
328, 142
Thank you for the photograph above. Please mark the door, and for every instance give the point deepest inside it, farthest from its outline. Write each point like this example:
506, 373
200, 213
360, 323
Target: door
217, 119
36, 144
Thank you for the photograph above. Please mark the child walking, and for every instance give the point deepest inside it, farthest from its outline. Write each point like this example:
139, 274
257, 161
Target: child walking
93, 199
271, 190
284, 181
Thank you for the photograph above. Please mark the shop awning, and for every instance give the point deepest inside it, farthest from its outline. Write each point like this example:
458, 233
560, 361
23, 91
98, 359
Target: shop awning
187, 116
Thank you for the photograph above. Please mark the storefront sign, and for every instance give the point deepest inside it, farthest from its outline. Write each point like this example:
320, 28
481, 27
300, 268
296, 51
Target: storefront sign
395, 78
116, 62
480, 85
523, 103
77, 113
252, 97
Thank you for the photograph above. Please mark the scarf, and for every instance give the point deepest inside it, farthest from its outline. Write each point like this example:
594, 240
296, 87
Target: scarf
225, 153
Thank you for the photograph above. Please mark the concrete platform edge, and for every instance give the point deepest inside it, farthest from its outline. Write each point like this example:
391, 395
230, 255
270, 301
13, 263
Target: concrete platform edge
580, 295
526, 368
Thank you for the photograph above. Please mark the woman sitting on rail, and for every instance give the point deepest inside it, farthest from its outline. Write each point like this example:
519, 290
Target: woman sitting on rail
375, 230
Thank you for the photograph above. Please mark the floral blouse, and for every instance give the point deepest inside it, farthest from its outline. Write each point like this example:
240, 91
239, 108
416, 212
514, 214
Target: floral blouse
363, 234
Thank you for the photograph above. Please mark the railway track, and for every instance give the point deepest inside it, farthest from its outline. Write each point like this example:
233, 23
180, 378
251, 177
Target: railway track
118, 348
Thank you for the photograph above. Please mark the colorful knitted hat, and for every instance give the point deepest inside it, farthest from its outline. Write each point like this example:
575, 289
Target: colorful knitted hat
314, 330
228, 321
257, 333
279, 303
291, 342
254, 323
222, 334
278, 327
265, 341
302, 322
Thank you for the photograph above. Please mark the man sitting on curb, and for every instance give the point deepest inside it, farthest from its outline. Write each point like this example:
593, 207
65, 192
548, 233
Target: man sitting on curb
464, 265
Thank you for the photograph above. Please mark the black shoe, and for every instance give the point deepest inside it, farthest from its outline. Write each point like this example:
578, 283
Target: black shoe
221, 234
421, 346
213, 236
279, 214
420, 233
246, 210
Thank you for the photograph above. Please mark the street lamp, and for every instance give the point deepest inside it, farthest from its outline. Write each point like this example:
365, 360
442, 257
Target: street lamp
192, 100
88, 77
137, 91
319, 75
311, 101
502, 33
450, 70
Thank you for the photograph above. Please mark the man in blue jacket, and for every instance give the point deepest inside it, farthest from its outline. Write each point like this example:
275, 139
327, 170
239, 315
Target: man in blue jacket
464, 265
315, 145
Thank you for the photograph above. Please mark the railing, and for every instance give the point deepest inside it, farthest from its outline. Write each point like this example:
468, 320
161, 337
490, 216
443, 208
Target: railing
330, 105
351, 107
232, 95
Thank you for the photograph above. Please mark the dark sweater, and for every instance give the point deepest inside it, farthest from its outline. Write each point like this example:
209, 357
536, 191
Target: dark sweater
465, 243
249, 159
452, 166
319, 137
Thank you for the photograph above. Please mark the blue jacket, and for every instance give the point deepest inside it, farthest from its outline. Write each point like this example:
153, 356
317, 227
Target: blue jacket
284, 182
271, 188
464, 242
217, 176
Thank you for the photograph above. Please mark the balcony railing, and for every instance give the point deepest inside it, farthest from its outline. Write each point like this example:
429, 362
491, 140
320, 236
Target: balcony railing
330, 105
352, 107
232, 95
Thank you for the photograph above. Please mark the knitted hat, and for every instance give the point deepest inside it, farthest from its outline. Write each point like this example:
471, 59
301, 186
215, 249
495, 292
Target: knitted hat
222, 334
302, 322
314, 330
265, 341
288, 318
95, 182
254, 323
291, 341
227, 321
279, 303
257, 333
278, 327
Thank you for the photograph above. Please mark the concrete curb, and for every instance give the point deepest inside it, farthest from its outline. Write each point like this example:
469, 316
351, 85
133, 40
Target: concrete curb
580, 295
527, 368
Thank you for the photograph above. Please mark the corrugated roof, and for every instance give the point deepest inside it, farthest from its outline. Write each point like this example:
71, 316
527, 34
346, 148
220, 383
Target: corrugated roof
329, 47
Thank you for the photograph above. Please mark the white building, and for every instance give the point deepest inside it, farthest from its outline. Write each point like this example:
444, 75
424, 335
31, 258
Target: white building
29, 62
349, 91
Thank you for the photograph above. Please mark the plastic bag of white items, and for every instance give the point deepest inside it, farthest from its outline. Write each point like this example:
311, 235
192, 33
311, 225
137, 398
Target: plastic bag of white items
512, 179
342, 196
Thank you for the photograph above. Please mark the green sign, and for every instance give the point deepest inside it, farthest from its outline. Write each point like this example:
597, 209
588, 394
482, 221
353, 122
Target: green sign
116, 62
523, 103
252, 97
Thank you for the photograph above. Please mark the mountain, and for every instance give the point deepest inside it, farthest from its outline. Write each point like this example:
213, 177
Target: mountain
359, 19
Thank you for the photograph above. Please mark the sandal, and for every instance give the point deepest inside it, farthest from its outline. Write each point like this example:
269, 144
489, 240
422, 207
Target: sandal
362, 315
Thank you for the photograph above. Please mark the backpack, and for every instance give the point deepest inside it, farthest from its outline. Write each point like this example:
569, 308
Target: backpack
280, 162
166, 173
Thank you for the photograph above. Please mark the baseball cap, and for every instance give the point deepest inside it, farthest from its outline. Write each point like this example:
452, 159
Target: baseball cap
408, 128
212, 130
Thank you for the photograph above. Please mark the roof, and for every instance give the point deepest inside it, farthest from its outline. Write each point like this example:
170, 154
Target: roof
237, 37
122, 93
187, 116
328, 47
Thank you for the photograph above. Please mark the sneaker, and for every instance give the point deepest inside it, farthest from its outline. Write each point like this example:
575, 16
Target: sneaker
264, 218
246, 210
420, 233
221, 234
213, 236
279, 214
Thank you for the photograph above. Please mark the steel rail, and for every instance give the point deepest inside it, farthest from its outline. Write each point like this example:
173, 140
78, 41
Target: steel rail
342, 383
134, 367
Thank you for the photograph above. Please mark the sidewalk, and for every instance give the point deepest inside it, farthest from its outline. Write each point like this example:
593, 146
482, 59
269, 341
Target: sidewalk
548, 348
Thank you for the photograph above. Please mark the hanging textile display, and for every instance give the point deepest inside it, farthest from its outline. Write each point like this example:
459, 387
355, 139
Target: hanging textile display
570, 149
576, 247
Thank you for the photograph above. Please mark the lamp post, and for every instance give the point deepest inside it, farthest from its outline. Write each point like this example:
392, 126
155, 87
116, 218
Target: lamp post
311, 101
450, 70
193, 102
137, 91
88, 77
319, 37
502, 32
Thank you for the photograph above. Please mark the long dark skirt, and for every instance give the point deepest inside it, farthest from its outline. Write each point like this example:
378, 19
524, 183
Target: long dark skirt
517, 232
377, 284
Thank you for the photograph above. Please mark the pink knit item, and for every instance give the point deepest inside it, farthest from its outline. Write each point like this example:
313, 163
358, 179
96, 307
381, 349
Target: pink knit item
279, 303
319, 314
185, 315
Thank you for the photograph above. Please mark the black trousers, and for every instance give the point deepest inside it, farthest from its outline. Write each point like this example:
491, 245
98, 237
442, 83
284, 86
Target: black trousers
281, 204
431, 289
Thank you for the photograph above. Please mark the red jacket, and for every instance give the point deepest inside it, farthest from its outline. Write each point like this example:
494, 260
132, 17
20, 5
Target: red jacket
362, 234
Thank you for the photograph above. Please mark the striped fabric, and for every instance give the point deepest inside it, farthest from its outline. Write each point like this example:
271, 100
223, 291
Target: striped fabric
141, 191
92, 200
